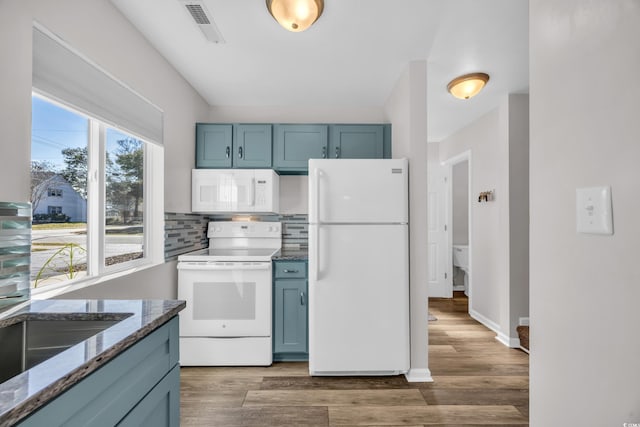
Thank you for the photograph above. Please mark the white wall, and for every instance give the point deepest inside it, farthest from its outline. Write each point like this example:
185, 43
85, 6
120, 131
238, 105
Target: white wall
98, 30
496, 296
460, 203
310, 114
156, 282
585, 289
406, 108
294, 195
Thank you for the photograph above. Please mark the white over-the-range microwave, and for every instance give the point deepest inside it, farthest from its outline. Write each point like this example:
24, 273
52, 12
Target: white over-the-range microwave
235, 191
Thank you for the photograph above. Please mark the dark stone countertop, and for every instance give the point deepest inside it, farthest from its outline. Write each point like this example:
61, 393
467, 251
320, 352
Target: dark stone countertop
32, 389
287, 254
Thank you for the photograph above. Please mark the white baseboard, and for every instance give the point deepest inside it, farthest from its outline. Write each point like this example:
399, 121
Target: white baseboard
500, 336
419, 376
506, 340
485, 321
523, 321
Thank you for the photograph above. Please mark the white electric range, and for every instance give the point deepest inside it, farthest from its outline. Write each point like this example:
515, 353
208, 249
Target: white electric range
227, 287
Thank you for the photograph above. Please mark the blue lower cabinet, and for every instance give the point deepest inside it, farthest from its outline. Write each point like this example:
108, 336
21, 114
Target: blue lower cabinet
290, 313
140, 387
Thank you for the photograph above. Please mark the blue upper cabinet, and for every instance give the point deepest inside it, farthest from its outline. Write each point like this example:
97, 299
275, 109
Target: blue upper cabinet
252, 146
233, 146
287, 148
357, 142
296, 144
214, 144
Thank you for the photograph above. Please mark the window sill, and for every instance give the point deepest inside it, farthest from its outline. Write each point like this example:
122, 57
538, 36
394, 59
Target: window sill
51, 291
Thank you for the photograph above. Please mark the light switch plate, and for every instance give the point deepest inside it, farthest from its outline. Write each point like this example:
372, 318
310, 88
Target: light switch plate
593, 210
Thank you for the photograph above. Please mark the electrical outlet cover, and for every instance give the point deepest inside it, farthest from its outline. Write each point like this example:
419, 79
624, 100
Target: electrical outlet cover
593, 210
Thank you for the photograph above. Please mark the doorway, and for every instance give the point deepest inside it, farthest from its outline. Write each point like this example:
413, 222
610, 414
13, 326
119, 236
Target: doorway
450, 227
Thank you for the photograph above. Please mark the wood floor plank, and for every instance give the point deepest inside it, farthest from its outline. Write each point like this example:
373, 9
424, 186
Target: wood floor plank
471, 369
335, 383
256, 417
377, 398
426, 415
218, 399
442, 349
478, 382
277, 369
515, 398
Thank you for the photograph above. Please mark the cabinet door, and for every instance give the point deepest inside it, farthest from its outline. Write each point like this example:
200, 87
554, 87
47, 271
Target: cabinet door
290, 316
213, 145
357, 142
160, 407
252, 146
296, 144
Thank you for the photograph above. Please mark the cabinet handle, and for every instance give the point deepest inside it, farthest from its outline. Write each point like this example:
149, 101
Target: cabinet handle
289, 271
324, 152
228, 151
240, 152
337, 152
301, 298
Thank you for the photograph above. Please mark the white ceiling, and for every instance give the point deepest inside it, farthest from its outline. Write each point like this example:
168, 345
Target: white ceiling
351, 57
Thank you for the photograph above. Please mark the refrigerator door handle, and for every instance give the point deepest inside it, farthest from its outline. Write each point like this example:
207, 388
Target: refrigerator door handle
314, 253
317, 174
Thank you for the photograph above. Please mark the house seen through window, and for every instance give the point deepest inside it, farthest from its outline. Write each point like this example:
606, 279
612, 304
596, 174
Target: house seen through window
87, 195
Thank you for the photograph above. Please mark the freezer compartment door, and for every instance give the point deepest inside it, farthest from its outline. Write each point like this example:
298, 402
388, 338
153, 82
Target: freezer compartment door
358, 191
358, 299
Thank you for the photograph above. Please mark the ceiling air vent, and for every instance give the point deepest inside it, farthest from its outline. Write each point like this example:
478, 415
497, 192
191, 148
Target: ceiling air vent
203, 20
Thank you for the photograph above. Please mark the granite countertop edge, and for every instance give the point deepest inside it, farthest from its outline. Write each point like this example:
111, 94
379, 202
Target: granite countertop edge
31, 403
292, 255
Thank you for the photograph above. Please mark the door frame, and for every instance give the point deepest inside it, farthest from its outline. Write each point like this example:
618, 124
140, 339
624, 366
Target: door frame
449, 163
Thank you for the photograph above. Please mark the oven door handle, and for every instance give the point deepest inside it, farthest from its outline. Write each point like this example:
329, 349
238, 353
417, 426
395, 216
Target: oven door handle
210, 266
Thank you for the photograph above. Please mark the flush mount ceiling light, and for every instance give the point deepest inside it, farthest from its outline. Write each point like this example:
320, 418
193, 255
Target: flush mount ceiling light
467, 86
295, 15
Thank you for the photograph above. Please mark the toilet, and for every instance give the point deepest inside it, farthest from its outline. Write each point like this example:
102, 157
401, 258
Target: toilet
461, 260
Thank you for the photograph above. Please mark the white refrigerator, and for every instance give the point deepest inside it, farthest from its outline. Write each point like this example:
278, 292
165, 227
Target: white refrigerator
358, 267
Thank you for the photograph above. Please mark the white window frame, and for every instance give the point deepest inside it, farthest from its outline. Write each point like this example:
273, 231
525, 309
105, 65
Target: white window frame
153, 205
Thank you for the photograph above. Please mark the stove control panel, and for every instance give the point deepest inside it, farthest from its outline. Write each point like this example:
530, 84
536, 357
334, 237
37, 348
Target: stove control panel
246, 229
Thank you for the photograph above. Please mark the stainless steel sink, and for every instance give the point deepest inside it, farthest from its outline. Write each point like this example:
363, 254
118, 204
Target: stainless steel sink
29, 342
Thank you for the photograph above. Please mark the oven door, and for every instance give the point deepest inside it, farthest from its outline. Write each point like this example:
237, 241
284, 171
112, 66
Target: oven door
225, 299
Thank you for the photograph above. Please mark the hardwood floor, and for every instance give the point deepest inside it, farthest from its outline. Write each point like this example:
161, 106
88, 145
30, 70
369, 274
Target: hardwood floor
477, 381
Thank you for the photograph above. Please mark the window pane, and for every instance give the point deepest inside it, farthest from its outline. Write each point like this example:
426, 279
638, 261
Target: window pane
124, 209
59, 139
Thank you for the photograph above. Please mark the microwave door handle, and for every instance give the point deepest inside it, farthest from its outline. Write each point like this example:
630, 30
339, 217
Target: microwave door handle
252, 192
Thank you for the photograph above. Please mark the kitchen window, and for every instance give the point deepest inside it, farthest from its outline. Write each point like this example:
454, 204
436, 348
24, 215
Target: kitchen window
101, 224
101, 144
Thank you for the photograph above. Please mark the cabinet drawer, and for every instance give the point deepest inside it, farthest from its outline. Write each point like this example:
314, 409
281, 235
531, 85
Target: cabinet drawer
290, 270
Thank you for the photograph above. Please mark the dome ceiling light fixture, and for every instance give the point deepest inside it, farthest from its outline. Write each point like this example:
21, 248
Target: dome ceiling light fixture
468, 85
295, 15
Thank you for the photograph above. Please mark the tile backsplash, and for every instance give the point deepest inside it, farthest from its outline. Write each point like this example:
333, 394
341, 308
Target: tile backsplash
188, 232
184, 233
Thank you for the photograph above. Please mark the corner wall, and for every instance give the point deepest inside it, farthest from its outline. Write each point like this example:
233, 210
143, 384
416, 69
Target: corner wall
406, 109
585, 289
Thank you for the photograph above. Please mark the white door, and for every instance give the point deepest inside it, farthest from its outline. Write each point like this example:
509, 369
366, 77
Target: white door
358, 191
439, 257
358, 299
225, 299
